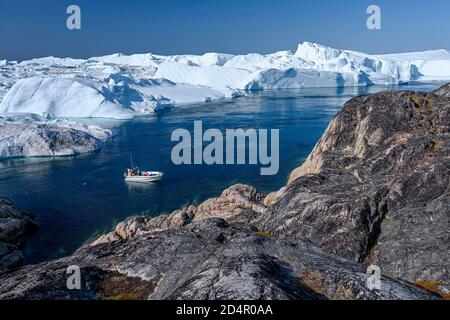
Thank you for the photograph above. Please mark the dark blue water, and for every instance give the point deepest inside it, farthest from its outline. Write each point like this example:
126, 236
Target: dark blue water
76, 198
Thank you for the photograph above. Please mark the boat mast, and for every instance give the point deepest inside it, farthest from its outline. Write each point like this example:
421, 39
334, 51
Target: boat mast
132, 163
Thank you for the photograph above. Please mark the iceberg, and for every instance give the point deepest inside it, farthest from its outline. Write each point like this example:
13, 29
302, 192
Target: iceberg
298, 78
31, 135
53, 62
60, 97
123, 86
427, 65
210, 76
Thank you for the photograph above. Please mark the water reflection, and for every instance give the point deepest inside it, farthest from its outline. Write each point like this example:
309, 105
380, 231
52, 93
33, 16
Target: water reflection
139, 187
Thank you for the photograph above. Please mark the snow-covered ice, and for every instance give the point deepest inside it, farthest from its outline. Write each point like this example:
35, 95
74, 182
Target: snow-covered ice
123, 86
429, 65
31, 135
60, 97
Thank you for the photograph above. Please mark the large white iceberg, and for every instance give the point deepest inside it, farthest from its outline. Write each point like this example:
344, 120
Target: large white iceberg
123, 86
60, 97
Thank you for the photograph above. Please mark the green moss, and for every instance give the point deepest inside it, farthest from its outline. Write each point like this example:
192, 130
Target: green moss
436, 147
425, 102
415, 98
265, 234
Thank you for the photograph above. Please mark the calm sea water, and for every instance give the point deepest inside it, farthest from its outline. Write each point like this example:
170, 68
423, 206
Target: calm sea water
77, 198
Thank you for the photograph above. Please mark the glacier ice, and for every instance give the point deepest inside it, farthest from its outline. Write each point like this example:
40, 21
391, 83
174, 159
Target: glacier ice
59, 97
123, 86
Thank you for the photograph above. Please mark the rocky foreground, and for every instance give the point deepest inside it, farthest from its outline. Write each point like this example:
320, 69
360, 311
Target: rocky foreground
375, 190
15, 226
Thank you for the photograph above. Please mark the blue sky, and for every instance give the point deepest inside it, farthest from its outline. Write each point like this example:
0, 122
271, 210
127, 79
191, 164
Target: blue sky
32, 28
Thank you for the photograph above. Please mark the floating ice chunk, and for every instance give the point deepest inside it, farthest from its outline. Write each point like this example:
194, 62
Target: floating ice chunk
30, 135
299, 78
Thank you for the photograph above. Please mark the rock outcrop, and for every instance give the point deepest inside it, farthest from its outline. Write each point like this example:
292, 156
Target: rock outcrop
443, 91
15, 225
207, 259
375, 190
239, 203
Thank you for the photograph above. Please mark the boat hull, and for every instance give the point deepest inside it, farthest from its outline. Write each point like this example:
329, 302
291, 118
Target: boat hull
144, 179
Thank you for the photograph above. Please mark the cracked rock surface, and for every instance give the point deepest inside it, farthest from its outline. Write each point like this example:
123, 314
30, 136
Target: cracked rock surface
207, 259
375, 189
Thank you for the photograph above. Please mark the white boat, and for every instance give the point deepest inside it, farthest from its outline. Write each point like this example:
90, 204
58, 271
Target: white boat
134, 174
145, 176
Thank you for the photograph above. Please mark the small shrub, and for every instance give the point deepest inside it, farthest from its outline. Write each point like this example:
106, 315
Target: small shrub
436, 147
415, 98
265, 234
429, 106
